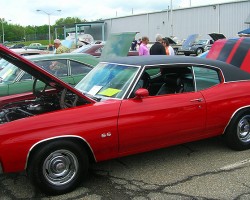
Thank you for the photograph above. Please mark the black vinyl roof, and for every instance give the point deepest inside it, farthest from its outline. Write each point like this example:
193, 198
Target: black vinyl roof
230, 72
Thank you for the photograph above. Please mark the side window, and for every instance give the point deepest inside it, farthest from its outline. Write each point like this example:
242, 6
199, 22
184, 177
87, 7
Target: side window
165, 80
205, 77
153, 72
44, 64
175, 79
79, 68
26, 77
56, 67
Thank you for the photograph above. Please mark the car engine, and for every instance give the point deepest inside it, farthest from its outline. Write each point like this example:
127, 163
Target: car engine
39, 105
27, 108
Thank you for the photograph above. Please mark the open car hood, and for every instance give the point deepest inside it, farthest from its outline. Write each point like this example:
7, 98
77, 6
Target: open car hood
118, 44
170, 40
190, 40
37, 71
235, 51
217, 36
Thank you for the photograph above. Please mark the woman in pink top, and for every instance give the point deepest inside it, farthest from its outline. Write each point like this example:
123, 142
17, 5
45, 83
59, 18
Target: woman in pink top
143, 49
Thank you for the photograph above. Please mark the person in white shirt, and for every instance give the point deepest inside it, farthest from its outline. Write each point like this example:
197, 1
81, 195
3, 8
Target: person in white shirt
169, 49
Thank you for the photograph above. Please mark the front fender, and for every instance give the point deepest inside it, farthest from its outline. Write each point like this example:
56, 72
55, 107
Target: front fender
91, 123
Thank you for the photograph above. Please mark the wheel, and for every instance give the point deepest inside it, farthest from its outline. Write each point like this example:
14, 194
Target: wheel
58, 167
176, 51
237, 135
199, 51
186, 54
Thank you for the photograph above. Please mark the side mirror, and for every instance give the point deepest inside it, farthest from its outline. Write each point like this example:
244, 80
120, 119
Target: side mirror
141, 93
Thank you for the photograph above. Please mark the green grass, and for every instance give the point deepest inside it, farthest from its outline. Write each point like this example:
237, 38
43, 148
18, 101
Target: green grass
43, 42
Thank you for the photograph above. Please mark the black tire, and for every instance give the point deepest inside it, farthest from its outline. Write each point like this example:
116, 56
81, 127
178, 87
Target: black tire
199, 51
176, 51
186, 54
237, 135
58, 167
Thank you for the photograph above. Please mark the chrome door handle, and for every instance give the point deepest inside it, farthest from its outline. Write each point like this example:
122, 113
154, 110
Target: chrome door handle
196, 100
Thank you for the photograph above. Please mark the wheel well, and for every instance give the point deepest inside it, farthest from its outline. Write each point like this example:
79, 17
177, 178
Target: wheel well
77, 141
243, 109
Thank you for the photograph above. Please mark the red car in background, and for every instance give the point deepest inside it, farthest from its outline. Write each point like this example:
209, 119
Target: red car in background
96, 50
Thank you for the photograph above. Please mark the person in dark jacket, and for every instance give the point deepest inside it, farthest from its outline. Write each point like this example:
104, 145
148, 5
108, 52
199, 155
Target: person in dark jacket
157, 48
133, 45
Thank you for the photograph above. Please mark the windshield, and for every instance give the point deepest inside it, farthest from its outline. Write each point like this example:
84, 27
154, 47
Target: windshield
108, 80
3, 63
9, 73
201, 42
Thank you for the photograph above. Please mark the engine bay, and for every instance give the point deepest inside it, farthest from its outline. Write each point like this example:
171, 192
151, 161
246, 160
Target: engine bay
47, 93
43, 103
26, 108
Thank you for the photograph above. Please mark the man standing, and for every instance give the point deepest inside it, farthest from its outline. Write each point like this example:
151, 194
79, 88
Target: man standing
60, 48
157, 48
143, 49
133, 45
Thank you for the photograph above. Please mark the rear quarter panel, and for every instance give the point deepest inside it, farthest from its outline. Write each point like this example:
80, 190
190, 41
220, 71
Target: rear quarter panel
222, 102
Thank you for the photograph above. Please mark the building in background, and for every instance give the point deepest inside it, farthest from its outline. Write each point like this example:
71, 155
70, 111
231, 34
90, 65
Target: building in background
227, 18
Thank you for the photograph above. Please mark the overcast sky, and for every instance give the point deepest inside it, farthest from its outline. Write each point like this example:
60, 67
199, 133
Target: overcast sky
24, 12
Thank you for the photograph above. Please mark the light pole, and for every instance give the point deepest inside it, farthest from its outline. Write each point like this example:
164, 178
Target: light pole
2, 30
2, 20
172, 28
48, 13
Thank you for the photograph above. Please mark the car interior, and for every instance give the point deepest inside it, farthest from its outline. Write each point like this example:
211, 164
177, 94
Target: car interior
170, 80
177, 79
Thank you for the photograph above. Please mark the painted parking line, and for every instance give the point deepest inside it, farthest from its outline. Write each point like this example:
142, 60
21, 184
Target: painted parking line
235, 165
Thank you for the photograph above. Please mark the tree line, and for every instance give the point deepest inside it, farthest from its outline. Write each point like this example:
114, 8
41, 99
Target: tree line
18, 33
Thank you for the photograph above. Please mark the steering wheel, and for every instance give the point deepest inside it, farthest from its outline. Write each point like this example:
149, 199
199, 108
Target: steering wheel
67, 99
37, 91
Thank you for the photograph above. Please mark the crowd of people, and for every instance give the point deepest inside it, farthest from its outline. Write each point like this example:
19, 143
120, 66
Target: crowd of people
160, 47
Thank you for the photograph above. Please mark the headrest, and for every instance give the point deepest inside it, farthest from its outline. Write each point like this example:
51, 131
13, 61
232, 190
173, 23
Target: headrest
145, 76
173, 81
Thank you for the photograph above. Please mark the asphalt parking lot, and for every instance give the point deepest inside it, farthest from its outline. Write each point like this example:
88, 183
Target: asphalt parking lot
200, 170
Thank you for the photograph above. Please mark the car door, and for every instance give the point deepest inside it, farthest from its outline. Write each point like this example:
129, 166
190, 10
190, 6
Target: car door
158, 121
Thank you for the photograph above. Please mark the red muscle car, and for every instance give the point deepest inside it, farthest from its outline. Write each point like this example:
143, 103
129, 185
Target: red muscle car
122, 107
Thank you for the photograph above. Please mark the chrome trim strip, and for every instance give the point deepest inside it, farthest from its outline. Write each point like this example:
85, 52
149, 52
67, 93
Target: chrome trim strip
238, 81
248, 106
135, 80
53, 138
194, 79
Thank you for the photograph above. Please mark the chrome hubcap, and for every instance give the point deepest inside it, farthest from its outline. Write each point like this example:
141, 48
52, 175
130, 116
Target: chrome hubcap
199, 51
60, 167
243, 129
